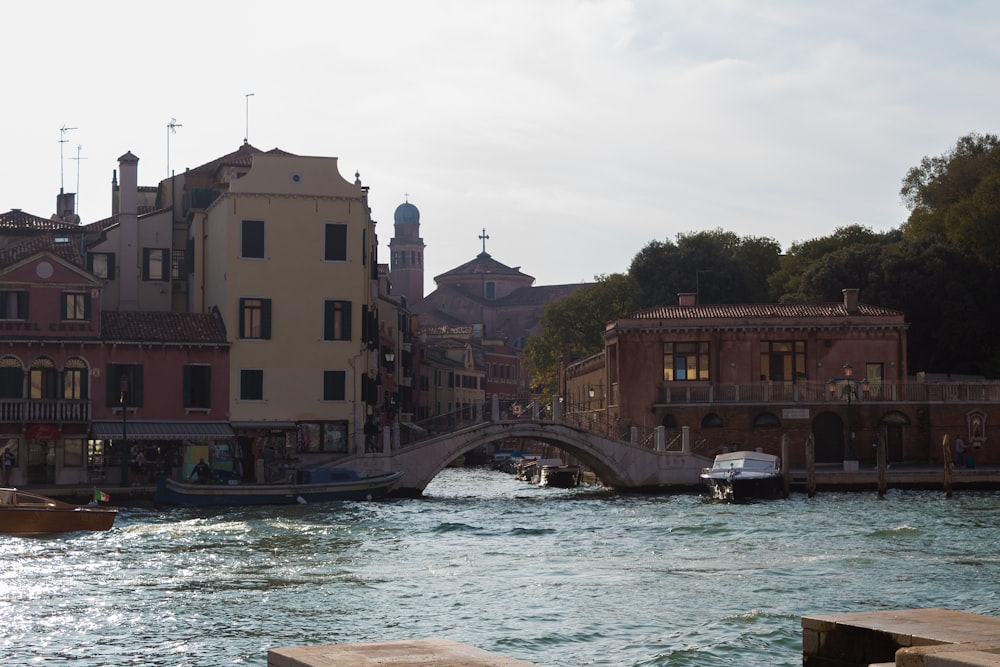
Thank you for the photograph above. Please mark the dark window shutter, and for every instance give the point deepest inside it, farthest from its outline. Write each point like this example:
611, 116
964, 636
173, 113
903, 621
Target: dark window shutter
265, 319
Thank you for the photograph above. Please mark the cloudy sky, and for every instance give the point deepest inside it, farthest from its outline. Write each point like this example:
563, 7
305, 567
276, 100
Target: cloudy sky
574, 132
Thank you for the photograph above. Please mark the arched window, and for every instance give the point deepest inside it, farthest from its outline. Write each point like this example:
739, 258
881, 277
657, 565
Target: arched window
766, 420
44, 379
11, 378
75, 380
711, 420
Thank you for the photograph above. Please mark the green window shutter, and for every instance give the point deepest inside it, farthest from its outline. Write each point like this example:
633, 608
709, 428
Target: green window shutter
265, 317
240, 315
329, 309
347, 321
186, 387
111, 266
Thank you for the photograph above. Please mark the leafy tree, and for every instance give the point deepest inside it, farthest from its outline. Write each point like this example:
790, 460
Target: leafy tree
573, 328
786, 282
956, 197
718, 266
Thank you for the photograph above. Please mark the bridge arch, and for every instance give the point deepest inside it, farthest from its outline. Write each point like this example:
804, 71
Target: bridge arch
620, 465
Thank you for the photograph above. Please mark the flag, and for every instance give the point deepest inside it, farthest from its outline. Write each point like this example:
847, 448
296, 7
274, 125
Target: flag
101, 497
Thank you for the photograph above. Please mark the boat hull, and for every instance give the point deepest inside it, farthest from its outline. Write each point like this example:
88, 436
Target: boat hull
362, 488
745, 488
24, 513
564, 477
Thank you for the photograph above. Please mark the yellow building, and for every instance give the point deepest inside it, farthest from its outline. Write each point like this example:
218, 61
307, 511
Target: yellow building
284, 252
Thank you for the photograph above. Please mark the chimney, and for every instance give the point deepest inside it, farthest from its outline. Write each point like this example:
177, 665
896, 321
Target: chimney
128, 233
66, 206
851, 300
687, 299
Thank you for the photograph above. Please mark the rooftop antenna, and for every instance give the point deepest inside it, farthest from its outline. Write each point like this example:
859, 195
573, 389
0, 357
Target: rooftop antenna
76, 200
171, 129
246, 137
62, 139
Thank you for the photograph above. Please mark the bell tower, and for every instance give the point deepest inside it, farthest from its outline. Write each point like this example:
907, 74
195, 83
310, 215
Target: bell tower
406, 254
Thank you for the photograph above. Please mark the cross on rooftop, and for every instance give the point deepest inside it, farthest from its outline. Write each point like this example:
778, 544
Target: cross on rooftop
483, 238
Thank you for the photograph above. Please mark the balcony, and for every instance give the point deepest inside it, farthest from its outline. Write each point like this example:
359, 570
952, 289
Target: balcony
23, 410
691, 393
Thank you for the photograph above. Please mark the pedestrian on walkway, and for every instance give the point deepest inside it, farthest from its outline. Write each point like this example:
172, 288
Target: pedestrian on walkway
959, 450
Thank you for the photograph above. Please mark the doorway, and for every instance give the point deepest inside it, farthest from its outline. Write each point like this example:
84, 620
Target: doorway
41, 461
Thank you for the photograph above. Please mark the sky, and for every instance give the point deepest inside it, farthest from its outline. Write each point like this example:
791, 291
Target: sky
572, 132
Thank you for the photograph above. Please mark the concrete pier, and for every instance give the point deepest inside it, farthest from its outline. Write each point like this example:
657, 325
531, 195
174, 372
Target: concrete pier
406, 653
901, 638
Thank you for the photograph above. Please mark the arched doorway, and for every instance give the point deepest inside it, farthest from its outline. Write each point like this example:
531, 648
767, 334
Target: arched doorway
893, 427
828, 436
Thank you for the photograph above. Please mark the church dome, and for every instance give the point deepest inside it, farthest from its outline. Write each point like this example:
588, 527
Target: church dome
407, 214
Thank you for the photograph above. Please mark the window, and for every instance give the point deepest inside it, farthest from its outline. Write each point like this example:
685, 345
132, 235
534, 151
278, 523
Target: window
102, 264
178, 265
255, 318
334, 385
251, 384
13, 305
123, 385
154, 263
685, 361
73, 449
75, 306
335, 247
766, 420
337, 320
490, 290
323, 437
782, 361
43, 379
75, 380
253, 240
11, 378
198, 386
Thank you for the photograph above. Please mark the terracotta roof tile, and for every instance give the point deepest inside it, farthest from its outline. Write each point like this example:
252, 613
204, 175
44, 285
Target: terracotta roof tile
69, 250
759, 311
161, 327
17, 220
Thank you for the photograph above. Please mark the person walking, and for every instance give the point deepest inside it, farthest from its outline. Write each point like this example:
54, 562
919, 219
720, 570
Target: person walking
959, 451
8, 466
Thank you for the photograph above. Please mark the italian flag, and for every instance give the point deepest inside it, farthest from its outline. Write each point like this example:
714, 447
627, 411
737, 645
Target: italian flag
101, 497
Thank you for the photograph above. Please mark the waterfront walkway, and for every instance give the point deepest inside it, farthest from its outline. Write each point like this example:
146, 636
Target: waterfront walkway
832, 478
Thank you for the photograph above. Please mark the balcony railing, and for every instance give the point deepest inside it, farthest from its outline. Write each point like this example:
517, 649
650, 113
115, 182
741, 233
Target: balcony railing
812, 392
23, 410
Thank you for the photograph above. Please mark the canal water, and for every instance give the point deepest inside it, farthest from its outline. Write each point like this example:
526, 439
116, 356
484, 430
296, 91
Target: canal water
553, 577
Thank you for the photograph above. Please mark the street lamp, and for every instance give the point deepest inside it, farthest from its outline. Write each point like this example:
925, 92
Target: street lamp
847, 387
123, 402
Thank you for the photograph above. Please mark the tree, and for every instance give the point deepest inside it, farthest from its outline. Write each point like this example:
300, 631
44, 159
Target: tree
573, 328
956, 197
718, 266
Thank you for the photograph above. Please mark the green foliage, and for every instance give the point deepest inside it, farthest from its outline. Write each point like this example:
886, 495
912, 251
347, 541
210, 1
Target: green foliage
573, 328
718, 266
956, 197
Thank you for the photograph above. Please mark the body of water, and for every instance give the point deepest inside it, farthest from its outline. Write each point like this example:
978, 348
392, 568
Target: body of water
553, 577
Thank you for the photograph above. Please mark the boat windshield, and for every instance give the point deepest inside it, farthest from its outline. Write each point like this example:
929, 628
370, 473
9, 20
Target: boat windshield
744, 464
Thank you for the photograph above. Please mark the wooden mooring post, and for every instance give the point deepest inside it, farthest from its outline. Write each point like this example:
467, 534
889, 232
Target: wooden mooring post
810, 466
786, 470
882, 465
946, 458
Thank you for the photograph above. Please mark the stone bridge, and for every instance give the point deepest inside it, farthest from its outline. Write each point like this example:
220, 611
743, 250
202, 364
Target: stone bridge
621, 465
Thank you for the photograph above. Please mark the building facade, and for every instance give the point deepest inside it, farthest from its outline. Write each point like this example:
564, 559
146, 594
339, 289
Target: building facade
743, 376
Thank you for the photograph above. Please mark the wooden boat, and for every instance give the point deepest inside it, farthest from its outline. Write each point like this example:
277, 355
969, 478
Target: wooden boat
25, 513
559, 475
744, 475
316, 485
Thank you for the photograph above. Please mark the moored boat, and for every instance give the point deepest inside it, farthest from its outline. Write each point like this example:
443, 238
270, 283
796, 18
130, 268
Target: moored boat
318, 485
744, 475
25, 513
559, 475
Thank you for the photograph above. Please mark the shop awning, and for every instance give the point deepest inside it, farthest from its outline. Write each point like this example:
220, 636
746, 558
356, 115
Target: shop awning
162, 430
265, 425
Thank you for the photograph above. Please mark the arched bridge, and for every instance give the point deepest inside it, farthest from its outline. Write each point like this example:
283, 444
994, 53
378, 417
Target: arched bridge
618, 464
